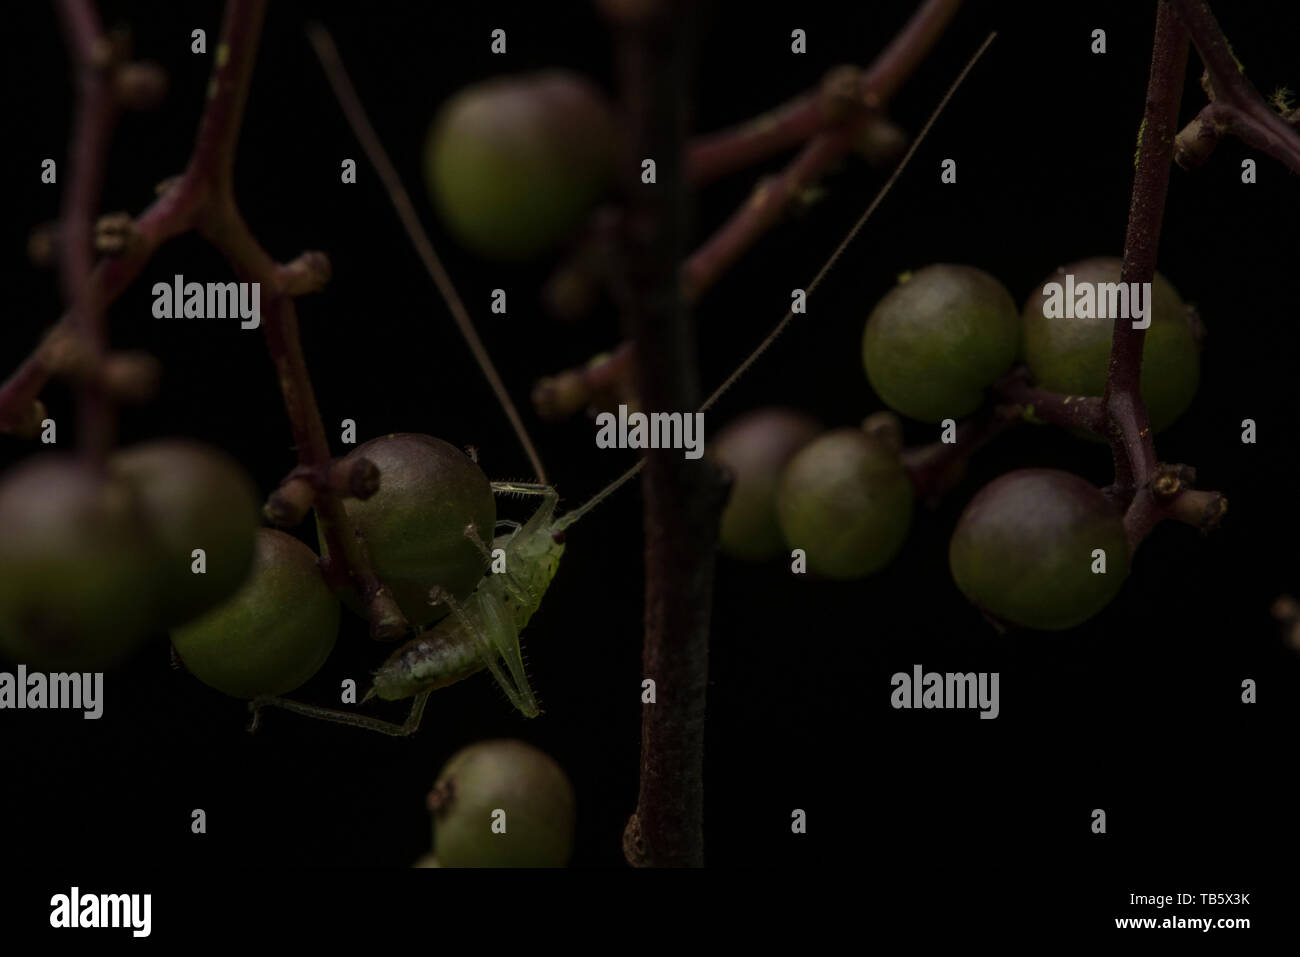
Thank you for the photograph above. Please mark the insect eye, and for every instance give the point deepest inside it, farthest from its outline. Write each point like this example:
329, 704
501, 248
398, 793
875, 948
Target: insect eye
557, 536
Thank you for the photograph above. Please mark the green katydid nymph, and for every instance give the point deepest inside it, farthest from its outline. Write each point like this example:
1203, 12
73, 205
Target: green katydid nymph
483, 630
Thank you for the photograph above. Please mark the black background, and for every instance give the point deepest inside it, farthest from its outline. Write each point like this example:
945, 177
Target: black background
1137, 712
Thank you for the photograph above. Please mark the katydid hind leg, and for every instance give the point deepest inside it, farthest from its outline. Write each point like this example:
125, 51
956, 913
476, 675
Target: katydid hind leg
484, 626
503, 639
391, 728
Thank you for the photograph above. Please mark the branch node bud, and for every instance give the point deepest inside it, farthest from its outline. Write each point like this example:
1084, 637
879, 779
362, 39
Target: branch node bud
880, 142
356, 479
131, 376
167, 184
116, 234
140, 86
560, 396
886, 428
288, 505
66, 352
387, 623
309, 273
840, 92
1169, 480
43, 244
1196, 141
26, 424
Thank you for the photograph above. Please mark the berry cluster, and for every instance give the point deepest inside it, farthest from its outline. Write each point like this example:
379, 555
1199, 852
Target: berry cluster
1038, 548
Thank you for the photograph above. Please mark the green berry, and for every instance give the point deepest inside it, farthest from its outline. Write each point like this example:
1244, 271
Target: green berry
79, 571
938, 339
414, 526
1024, 549
274, 633
1071, 355
194, 497
514, 786
755, 449
847, 502
515, 164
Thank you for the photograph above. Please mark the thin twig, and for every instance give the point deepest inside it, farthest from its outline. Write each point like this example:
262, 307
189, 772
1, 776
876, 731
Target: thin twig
713, 156
96, 115
938, 466
1054, 408
1152, 491
219, 221
1130, 431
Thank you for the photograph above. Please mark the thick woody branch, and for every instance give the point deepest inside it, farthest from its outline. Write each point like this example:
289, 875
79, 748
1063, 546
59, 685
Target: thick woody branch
683, 497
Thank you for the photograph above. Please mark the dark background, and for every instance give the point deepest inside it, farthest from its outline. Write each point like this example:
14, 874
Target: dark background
1137, 712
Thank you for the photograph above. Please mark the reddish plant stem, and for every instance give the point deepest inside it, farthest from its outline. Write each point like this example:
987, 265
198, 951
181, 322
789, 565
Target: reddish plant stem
1200, 508
1130, 432
96, 115
1151, 490
683, 497
1237, 106
938, 466
213, 160
220, 222
559, 396
764, 209
171, 214
716, 155
1076, 411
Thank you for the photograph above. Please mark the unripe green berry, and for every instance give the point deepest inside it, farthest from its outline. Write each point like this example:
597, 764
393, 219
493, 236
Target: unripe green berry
1071, 355
274, 633
847, 502
1026, 549
414, 527
938, 339
513, 785
755, 449
79, 571
515, 163
194, 497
